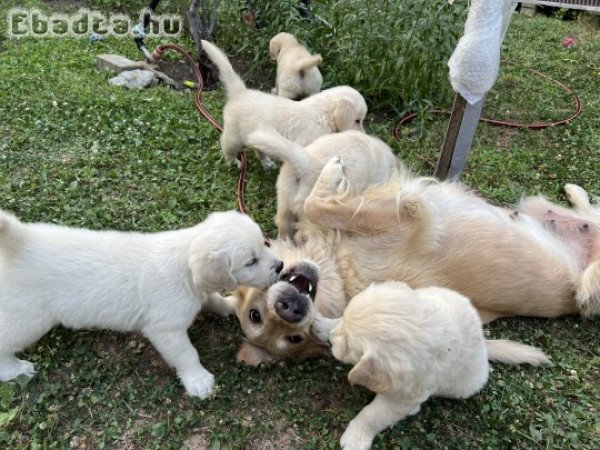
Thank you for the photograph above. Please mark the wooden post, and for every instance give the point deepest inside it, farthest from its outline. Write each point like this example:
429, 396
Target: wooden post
459, 137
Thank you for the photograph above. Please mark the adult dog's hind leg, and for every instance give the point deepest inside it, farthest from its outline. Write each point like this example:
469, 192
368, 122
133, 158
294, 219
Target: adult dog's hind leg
588, 290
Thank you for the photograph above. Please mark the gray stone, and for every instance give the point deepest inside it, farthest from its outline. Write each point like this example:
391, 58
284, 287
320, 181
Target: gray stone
134, 79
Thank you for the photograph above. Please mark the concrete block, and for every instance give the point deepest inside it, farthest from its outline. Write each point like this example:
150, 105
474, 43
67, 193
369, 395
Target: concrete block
117, 63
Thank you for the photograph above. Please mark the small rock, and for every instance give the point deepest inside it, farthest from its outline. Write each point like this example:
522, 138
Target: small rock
134, 79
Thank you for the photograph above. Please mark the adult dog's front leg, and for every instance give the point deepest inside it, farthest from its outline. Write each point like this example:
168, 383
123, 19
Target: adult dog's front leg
381, 413
177, 350
330, 207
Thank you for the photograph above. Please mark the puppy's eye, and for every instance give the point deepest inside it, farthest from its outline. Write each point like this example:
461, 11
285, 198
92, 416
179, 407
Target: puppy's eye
251, 262
254, 316
294, 339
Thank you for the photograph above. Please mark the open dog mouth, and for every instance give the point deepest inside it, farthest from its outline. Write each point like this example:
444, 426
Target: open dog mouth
304, 277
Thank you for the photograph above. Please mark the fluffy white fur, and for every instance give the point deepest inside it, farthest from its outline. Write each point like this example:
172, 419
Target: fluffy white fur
368, 161
333, 110
154, 283
408, 345
297, 73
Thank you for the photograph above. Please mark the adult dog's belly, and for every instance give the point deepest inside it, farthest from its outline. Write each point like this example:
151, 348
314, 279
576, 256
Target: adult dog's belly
503, 266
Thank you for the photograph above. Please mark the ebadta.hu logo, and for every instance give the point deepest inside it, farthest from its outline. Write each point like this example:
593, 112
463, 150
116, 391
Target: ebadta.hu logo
34, 23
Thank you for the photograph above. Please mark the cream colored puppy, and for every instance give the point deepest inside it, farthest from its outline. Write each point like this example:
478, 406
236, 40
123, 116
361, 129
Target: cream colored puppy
297, 73
153, 283
333, 110
407, 345
580, 200
368, 161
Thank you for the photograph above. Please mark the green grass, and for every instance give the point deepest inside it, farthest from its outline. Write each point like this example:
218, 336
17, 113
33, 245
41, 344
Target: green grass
76, 152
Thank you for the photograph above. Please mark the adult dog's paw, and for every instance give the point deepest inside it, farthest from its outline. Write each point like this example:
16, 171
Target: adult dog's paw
332, 174
199, 386
355, 439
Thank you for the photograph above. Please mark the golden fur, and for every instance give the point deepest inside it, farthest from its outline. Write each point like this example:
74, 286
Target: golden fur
428, 233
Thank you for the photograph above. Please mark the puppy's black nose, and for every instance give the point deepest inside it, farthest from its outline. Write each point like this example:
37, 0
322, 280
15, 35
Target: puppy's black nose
279, 267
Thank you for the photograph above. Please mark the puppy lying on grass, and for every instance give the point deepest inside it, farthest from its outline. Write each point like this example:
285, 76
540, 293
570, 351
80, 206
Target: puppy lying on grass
333, 110
297, 73
154, 283
368, 161
408, 345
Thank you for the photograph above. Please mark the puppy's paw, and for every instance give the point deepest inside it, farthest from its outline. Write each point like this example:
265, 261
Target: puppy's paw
200, 385
11, 368
322, 326
355, 438
267, 163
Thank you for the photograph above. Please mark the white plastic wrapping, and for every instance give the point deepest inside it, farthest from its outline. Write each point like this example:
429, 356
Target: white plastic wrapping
475, 62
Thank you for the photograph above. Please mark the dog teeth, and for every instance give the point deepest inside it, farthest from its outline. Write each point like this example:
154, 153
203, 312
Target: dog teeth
293, 277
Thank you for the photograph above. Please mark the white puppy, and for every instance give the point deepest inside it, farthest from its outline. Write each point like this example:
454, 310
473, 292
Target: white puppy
333, 110
154, 283
580, 200
368, 161
407, 345
297, 73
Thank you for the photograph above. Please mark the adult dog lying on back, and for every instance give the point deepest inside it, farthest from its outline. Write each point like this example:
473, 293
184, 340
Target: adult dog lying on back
333, 110
540, 261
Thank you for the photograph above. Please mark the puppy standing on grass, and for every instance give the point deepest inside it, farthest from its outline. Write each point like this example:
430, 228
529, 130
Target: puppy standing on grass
333, 110
408, 345
154, 283
297, 73
368, 161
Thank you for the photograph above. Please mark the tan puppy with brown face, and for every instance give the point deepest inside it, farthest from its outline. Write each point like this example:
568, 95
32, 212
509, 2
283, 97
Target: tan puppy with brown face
297, 73
331, 111
407, 345
368, 161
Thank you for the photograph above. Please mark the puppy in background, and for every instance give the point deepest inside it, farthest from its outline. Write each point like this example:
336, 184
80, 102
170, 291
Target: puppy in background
331, 111
297, 73
368, 161
154, 283
407, 345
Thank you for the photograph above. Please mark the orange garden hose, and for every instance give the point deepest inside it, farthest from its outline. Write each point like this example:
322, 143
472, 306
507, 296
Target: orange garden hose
241, 184
509, 123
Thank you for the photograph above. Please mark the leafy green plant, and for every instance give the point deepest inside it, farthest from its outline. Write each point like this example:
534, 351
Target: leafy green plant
395, 53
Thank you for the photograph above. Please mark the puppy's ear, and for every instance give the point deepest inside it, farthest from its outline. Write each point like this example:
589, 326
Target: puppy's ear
252, 355
343, 115
212, 270
369, 372
275, 47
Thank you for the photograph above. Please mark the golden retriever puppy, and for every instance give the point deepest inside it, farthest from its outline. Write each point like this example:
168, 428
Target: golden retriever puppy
297, 73
154, 283
331, 111
368, 161
407, 345
424, 233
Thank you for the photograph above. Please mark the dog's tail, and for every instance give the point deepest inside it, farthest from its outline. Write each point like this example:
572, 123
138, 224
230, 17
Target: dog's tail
270, 142
510, 352
227, 75
11, 232
587, 294
309, 62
